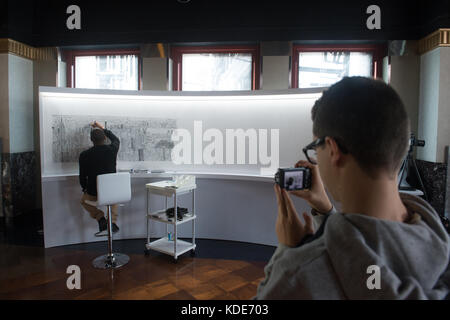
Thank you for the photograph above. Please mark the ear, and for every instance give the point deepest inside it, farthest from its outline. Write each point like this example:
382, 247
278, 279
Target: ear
335, 153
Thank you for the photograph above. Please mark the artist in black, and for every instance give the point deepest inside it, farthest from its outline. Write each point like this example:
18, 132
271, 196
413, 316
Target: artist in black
99, 159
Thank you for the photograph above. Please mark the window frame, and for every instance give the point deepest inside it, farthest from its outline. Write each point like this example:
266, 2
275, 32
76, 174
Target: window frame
70, 56
176, 54
375, 50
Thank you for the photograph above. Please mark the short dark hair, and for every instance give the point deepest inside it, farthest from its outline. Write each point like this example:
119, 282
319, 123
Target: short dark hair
366, 117
98, 136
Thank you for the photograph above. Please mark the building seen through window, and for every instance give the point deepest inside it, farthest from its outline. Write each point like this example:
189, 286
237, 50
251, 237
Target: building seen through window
216, 71
119, 72
322, 69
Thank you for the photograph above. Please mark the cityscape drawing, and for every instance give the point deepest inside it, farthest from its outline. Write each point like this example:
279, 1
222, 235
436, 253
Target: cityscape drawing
141, 139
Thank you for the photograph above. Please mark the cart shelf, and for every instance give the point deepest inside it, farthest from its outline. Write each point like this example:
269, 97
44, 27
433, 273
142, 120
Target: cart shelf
164, 245
160, 216
173, 247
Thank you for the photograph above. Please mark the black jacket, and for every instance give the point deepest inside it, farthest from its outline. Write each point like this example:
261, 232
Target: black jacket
98, 160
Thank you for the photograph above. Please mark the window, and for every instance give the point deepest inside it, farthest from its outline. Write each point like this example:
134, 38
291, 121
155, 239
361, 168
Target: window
215, 68
323, 66
118, 69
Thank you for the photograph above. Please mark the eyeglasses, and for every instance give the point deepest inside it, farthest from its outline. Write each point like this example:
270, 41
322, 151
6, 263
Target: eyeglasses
310, 149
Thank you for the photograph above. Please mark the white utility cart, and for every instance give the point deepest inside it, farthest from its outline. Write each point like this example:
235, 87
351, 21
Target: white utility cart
171, 189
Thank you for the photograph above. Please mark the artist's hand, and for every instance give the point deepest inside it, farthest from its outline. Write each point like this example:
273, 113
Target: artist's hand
316, 197
290, 230
97, 125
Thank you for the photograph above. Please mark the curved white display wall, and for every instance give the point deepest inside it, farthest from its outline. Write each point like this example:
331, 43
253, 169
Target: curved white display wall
232, 141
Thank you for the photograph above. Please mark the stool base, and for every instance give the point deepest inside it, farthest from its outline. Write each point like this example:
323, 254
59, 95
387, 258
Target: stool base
107, 262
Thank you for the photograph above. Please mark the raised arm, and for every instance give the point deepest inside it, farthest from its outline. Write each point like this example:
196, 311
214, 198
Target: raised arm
115, 142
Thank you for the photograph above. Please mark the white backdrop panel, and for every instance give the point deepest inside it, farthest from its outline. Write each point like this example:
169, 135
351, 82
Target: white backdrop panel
288, 111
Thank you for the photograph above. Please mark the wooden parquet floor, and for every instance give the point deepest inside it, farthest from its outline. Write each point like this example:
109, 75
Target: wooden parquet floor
38, 273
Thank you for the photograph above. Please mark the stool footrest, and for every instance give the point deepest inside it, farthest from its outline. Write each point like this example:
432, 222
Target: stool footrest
106, 261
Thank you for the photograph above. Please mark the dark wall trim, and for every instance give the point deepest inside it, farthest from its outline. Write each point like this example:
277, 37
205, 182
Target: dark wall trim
447, 190
43, 22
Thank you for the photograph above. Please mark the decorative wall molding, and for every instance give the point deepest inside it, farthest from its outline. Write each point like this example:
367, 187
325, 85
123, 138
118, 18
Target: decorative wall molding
26, 51
439, 38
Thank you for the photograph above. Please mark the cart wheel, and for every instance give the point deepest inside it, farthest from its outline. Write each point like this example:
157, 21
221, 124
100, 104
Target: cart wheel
146, 252
175, 260
192, 252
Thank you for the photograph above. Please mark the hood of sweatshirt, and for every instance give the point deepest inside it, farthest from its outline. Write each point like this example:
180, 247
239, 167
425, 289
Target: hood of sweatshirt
410, 260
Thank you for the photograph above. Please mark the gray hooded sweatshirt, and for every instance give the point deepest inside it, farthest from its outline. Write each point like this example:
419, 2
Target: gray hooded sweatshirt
413, 259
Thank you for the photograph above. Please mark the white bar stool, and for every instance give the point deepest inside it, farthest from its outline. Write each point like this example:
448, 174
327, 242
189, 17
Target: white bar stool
112, 188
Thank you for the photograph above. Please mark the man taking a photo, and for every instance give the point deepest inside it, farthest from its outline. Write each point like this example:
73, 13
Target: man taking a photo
381, 244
